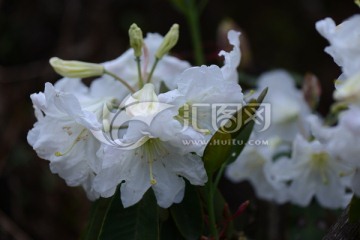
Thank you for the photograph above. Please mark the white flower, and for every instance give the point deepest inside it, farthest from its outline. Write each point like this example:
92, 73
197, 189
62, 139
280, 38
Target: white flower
348, 90
203, 88
287, 105
66, 113
313, 171
254, 164
341, 139
158, 159
232, 59
344, 43
166, 70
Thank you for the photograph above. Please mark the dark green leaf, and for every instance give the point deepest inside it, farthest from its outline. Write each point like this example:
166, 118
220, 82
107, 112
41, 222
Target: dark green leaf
187, 215
262, 95
216, 151
354, 210
98, 211
241, 139
137, 222
170, 231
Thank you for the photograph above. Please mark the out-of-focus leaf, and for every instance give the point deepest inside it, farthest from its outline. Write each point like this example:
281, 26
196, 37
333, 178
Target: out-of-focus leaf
307, 223
170, 231
354, 210
137, 222
187, 215
179, 5
163, 88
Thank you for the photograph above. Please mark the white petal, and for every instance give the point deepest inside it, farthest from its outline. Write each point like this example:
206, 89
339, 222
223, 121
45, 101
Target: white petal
189, 166
136, 183
106, 87
169, 187
326, 27
303, 189
232, 59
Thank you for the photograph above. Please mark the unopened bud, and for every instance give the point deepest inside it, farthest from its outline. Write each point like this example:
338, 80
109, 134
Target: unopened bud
76, 69
136, 39
144, 102
357, 2
169, 41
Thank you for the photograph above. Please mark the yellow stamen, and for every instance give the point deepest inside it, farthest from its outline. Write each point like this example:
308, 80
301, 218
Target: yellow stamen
78, 139
150, 157
319, 162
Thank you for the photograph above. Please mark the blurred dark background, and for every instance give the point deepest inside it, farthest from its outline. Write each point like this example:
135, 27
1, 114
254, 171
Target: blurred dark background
35, 204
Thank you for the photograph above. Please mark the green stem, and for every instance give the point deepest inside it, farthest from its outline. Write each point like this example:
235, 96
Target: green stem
132, 90
141, 83
219, 174
152, 69
192, 17
211, 210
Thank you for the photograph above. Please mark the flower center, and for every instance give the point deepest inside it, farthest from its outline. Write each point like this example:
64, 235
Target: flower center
152, 150
319, 162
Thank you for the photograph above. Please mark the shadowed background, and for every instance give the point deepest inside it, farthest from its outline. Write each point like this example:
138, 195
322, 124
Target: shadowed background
35, 204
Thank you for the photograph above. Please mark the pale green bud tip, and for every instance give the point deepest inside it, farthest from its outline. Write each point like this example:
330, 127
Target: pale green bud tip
76, 69
169, 41
136, 39
357, 2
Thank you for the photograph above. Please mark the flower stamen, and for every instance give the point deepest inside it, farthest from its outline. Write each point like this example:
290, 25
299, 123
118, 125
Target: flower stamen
78, 139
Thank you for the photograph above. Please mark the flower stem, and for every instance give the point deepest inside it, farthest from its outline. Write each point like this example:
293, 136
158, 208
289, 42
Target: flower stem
132, 90
141, 83
192, 17
152, 69
211, 210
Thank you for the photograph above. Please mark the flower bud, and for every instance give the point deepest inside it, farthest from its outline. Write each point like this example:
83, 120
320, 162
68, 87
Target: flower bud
357, 2
169, 41
136, 39
76, 69
144, 102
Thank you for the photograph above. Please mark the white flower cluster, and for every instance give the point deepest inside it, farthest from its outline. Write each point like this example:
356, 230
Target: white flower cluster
76, 123
305, 158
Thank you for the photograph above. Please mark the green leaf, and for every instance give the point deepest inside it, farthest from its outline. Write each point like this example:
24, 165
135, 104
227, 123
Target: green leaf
216, 151
221, 145
354, 210
170, 231
137, 222
98, 212
187, 215
242, 138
